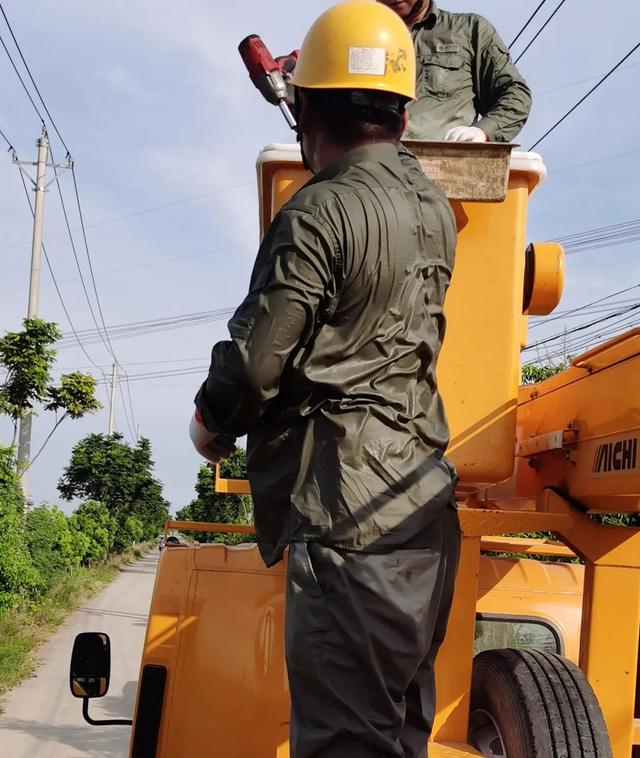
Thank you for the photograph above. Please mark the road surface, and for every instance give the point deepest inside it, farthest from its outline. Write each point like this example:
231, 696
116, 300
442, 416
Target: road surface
41, 719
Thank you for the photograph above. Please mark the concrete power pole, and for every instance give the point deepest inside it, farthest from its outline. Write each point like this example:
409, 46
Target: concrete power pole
112, 403
24, 438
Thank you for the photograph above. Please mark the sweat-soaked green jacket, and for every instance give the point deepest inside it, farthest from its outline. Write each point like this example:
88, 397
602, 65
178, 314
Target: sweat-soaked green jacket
465, 77
330, 368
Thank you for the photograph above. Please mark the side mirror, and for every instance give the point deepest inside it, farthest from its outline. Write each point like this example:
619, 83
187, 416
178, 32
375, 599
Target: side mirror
90, 665
90, 672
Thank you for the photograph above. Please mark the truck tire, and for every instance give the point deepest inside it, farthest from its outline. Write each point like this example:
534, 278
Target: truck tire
527, 703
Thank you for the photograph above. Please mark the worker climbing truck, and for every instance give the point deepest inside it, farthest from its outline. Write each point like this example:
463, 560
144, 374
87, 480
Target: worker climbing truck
540, 658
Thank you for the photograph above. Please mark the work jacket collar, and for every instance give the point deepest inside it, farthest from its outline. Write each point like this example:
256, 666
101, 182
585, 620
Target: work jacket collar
378, 152
429, 21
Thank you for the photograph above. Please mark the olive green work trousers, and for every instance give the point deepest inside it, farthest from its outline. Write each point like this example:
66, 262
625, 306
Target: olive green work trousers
362, 633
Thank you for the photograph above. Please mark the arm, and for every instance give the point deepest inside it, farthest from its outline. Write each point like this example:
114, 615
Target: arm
502, 95
293, 278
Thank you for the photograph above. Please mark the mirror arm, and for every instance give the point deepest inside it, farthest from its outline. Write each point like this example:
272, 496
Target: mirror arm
105, 722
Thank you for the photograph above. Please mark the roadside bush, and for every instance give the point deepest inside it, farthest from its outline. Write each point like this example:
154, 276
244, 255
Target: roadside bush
91, 520
128, 532
51, 545
18, 577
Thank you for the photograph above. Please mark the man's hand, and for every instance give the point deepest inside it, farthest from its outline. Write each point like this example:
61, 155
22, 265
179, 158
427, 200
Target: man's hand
466, 134
213, 447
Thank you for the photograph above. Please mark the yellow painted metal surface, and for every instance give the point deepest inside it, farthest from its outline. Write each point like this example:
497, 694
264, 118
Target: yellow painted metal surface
598, 399
455, 661
609, 649
488, 283
554, 592
547, 277
216, 622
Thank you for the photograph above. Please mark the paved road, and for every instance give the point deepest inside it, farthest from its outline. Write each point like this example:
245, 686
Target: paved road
42, 720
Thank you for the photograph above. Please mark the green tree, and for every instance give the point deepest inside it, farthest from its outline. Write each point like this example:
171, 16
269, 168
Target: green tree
532, 374
129, 532
107, 470
27, 358
218, 508
91, 521
18, 577
51, 545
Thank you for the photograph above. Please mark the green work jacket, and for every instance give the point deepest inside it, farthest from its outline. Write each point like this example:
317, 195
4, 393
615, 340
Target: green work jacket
465, 77
331, 365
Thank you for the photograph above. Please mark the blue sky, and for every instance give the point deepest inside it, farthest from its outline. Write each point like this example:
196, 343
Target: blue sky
155, 105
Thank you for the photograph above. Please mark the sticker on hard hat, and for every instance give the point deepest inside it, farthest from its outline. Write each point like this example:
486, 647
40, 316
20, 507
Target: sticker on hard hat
367, 60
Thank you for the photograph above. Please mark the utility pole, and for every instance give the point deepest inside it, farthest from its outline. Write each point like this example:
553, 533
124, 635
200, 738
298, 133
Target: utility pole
112, 403
40, 186
24, 438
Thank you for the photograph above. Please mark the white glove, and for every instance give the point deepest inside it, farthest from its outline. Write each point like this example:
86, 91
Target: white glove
213, 447
466, 134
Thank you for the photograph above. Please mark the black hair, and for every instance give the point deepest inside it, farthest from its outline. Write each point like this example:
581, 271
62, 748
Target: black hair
350, 117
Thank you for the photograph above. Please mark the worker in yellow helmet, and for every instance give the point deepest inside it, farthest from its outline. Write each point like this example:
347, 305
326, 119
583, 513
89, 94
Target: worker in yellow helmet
331, 371
468, 89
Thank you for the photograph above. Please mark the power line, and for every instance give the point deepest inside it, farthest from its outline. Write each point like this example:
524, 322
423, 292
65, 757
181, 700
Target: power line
141, 212
133, 417
139, 328
26, 65
542, 28
569, 85
6, 139
73, 246
583, 327
24, 86
126, 413
589, 93
593, 163
55, 283
149, 264
563, 314
538, 321
93, 279
529, 20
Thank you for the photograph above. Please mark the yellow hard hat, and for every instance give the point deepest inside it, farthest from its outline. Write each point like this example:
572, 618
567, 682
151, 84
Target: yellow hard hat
359, 44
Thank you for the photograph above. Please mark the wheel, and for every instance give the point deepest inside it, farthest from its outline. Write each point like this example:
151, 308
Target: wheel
526, 704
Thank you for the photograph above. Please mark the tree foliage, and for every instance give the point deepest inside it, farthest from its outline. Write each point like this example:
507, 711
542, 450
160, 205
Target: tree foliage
28, 357
91, 521
52, 546
109, 471
213, 507
18, 577
532, 374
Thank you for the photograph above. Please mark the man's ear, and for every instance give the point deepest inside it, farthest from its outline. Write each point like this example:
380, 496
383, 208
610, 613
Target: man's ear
405, 120
302, 111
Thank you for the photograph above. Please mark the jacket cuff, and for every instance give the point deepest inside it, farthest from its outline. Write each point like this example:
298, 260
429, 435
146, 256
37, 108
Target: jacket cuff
490, 128
203, 409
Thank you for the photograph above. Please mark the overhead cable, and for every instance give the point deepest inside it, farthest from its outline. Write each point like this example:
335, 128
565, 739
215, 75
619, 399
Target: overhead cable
6, 139
73, 248
542, 28
582, 327
585, 97
140, 213
529, 20
153, 326
55, 283
26, 65
93, 279
24, 86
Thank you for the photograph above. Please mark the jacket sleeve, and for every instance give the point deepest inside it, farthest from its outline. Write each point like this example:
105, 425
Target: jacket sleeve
502, 95
292, 283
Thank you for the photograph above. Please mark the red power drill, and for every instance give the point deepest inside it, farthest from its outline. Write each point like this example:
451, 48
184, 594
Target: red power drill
267, 73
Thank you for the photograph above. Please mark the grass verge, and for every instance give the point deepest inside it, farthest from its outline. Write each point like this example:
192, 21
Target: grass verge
23, 630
